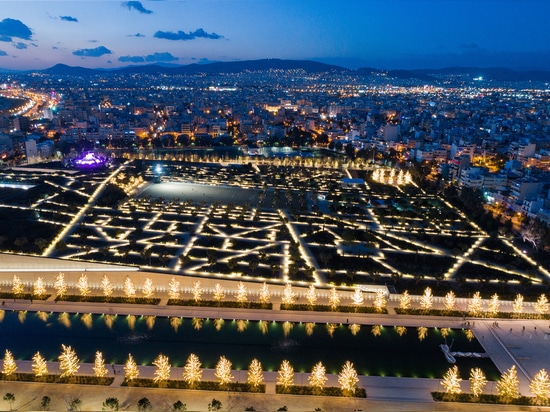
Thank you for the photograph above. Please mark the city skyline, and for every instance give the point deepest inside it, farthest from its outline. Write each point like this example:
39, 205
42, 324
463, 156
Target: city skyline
384, 34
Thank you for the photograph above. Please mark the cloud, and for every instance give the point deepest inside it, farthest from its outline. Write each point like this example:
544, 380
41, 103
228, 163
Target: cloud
135, 35
181, 35
3, 53
69, 18
20, 46
97, 52
469, 46
10, 28
131, 59
150, 58
137, 6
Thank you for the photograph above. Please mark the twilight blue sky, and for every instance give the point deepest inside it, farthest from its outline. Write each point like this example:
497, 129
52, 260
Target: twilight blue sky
391, 34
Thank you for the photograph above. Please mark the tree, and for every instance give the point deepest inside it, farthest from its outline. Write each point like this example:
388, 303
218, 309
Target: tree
540, 387
311, 296
541, 307
318, 377
39, 287
129, 289
477, 381
10, 367
450, 301
17, 286
174, 289
357, 297
179, 406
242, 293
405, 301
192, 372
255, 374
380, 301
517, 306
494, 305
333, 298
348, 379
131, 370
39, 365
219, 293
475, 305
111, 404
215, 405
9, 397
265, 295
288, 295
100, 371
426, 301
83, 285
69, 364
508, 385
144, 404
106, 286
60, 285
197, 291
74, 404
223, 371
162, 372
451, 381
148, 290
285, 375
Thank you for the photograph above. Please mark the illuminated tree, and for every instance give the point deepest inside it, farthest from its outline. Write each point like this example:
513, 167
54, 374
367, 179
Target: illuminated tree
197, 291
477, 381
219, 294
107, 286
311, 295
17, 286
540, 387
174, 289
517, 306
39, 365
450, 301
162, 372
131, 370
333, 299
494, 305
380, 301
475, 305
39, 287
285, 375
69, 364
100, 371
357, 297
60, 285
541, 307
426, 301
348, 379
129, 289
451, 381
288, 295
265, 295
508, 384
83, 285
192, 372
223, 371
405, 301
318, 377
148, 290
422, 332
255, 374
242, 293
10, 366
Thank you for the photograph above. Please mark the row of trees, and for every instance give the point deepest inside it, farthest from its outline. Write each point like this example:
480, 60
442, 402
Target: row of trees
507, 386
475, 303
69, 365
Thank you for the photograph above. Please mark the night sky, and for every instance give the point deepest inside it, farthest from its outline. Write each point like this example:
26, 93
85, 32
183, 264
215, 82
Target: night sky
386, 34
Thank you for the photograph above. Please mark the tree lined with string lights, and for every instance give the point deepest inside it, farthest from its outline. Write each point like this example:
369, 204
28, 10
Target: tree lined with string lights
39, 365
192, 372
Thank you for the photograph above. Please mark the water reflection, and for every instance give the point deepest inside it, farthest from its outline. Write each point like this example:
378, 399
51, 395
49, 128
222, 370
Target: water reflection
131, 319
150, 322
218, 323
43, 316
197, 323
22, 315
109, 319
241, 325
175, 323
87, 320
309, 328
264, 327
64, 319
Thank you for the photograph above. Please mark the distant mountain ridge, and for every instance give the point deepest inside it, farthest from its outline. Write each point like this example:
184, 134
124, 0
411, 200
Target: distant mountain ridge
497, 74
